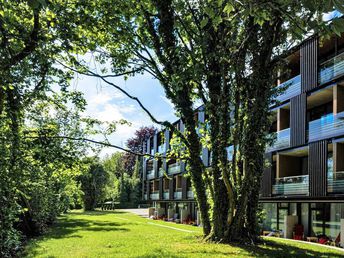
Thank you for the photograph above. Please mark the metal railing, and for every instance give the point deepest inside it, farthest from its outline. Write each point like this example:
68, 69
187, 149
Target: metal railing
174, 168
154, 196
282, 140
331, 69
161, 172
190, 194
335, 182
177, 195
292, 88
327, 126
161, 148
166, 195
291, 185
150, 174
230, 151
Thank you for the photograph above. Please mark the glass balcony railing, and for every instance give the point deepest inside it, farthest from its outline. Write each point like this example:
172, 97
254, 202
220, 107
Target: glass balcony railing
230, 151
327, 126
331, 69
166, 195
150, 174
292, 89
161, 148
161, 172
177, 195
190, 194
335, 182
282, 140
145, 196
291, 185
174, 168
154, 196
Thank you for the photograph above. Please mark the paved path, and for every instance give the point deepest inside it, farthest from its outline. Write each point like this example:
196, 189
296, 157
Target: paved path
141, 212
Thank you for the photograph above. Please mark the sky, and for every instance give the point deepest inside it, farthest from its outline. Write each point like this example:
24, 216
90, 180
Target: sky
108, 104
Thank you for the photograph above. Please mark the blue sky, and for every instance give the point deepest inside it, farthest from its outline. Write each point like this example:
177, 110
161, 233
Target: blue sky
108, 104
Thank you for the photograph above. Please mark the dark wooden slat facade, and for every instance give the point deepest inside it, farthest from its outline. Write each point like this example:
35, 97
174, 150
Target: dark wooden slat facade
205, 151
298, 106
161, 188
309, 65
267, 180
171, 189
167, 146
184, 187
317, 168
155, 161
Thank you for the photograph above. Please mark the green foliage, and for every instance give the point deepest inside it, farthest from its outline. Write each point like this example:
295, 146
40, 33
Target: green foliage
122, 187
93, 182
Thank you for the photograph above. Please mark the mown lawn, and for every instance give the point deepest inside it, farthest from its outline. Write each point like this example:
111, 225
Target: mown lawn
120, 234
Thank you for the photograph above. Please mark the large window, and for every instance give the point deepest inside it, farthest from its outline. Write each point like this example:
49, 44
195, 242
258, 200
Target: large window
269, 216
332, 220
325, 219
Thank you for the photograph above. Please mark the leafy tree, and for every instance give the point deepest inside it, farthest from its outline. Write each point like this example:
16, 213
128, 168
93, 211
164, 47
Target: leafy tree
226, 54
135, 144
93, 183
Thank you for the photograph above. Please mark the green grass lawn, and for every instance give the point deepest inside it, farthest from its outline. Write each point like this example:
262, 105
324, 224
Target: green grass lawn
120, 234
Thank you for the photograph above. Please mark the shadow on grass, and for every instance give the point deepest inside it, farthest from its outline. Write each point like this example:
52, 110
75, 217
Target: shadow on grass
265, 249
268, 249
95, 212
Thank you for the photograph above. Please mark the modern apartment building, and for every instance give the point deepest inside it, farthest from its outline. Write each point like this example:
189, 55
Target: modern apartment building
305, 181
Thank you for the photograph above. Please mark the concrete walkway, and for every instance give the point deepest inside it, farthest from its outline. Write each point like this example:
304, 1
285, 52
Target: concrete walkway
143, 212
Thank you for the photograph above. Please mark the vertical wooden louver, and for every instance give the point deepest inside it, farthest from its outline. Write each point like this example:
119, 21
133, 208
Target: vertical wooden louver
167, 146
155, 161
298, 106
182, 129
184, 187
161, 188
171, 189
267, 180
309, 65
317, 168
205, 151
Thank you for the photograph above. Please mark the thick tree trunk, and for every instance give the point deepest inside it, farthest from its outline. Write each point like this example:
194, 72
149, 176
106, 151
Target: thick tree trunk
196, 169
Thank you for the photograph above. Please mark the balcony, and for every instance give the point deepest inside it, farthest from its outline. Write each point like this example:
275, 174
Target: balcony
177, 195
293, 88
190, 194
161, 148
152, 152
282, 140
150, 174
292, 185
166, 195
154, 196
230, 151
331, 69
335, 182
161, 172
174, 168
325, 127
145, 197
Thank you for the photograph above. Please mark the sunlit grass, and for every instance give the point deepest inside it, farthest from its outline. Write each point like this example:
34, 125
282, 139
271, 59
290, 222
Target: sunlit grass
119, 234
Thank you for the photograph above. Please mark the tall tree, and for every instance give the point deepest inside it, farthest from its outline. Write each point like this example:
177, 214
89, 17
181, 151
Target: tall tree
226, 54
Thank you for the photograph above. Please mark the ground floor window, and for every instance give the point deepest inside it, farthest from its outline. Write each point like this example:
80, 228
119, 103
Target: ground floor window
316, 218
